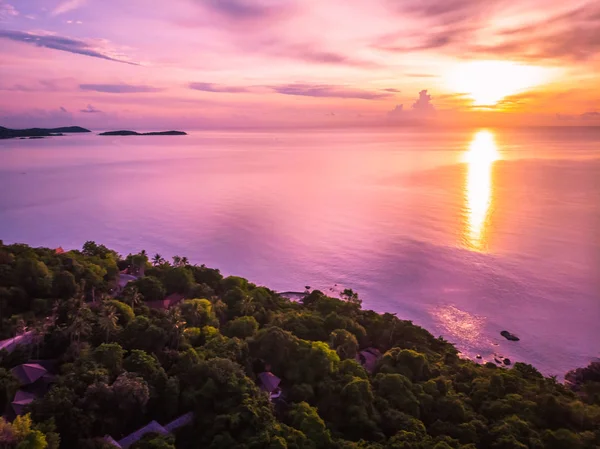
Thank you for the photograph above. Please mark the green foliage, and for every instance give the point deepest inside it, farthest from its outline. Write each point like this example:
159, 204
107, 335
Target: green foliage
198, 312
344, 343
119, 370
124, 312
242, 327
150, 288
110, 356
178, 280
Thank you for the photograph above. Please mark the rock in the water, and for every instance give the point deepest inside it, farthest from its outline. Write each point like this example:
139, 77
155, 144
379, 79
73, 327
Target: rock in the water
509, 336
507, 361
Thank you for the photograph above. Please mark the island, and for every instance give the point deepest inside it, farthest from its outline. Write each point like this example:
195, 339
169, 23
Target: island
7, 133
135, 133
107, 351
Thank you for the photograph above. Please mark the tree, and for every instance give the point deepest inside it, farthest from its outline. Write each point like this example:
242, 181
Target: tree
157, 260
108, 320
155, 441
33, 440
150, 287
34, 276
198, 312
64, 285
178, 280
110, 355
132, 296
124, 312
306, 419
344, 343
242, 327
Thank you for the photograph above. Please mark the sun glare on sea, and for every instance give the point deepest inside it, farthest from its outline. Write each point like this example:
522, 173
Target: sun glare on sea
478, 189
488, 82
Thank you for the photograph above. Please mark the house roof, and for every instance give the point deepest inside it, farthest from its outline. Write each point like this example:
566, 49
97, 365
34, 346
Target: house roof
11, 343
151, 427
21, 399
368, 358
28, 373
169, 301
111, 440
269, 381
183, 420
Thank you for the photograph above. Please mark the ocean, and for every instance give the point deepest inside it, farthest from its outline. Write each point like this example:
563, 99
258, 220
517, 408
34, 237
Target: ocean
466, 233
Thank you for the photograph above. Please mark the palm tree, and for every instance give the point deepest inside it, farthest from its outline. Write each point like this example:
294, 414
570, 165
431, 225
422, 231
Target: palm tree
79, 326
176, 261
177, 324
157, 260
133, 297
108, 320
184, 261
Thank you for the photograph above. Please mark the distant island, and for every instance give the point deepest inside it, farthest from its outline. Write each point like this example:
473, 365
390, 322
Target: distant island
36, 133
135, 133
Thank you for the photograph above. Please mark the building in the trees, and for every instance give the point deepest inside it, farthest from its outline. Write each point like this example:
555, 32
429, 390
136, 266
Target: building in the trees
151, 427
35, 379
167, 302
269, 382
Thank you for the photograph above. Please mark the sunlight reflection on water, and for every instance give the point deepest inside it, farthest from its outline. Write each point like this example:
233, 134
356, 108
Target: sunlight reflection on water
479, 188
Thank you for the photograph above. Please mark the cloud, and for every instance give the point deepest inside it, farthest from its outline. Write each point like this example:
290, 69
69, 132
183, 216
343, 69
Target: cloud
63, 109
398, 111
573, 35
49, 85
586, 116
67, 6
420, 75
391, 89
423, 104
210, 87
7, 11
119, 88
308, 53
90, 109
327, 91
61, 43
422, 108
248, 10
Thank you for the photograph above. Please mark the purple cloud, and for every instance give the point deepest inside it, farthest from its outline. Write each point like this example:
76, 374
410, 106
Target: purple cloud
210, 87
63, 109
327, 91
308, 53
119, 88
90, 109
242, 9
60, 43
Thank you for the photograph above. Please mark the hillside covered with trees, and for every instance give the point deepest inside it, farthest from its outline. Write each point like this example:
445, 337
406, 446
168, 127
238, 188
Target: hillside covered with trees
121, 362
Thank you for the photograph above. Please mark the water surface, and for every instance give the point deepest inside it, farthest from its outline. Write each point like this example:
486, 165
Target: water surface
465, 233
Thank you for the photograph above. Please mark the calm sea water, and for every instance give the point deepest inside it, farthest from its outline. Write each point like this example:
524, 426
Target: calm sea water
465, 233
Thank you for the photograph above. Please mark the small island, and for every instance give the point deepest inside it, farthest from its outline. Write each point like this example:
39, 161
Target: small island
135, 133
38, 133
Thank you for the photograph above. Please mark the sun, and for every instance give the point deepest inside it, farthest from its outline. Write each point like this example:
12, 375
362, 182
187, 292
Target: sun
488, 82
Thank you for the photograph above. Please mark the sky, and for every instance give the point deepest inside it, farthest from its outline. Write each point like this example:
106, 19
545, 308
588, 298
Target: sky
156, 64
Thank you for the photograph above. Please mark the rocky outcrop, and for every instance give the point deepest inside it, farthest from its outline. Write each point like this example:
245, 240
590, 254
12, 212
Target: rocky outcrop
509, 336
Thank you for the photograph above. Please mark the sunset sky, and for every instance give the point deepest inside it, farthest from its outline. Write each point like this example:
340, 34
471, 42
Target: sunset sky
276, 63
